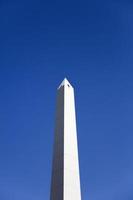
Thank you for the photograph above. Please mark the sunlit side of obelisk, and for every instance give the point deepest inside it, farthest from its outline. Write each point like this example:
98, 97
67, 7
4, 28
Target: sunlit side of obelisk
65, 183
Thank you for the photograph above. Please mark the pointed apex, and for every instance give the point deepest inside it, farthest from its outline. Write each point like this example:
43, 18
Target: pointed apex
65, 82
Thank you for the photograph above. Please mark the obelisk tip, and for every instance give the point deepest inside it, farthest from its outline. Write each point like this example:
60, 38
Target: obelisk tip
65, 82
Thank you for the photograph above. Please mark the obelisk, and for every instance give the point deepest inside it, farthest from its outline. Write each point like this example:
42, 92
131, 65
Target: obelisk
65, 182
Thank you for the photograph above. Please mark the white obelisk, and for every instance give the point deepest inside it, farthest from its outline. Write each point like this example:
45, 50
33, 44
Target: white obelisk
65, 183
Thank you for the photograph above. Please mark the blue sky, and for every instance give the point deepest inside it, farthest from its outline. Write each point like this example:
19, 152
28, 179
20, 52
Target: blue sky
90, 43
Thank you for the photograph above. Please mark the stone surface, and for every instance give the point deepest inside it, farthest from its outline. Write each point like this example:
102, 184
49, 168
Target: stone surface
65, 183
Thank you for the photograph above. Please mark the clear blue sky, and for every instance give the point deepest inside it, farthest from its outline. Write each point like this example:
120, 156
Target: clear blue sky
90, 43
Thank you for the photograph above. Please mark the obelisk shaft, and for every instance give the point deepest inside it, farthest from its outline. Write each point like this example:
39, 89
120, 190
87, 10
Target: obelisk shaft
65, 183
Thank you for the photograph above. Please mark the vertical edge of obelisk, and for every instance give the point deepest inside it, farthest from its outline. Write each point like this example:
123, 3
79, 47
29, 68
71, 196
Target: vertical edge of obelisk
58, 150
